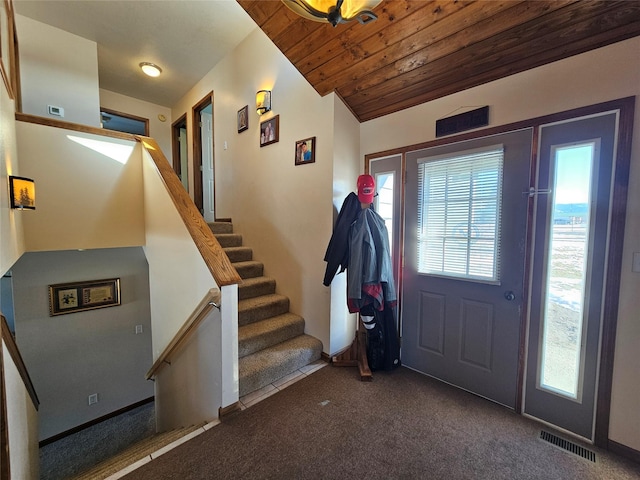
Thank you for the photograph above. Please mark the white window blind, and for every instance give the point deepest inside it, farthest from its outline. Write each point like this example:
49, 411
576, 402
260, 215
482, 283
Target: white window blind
459, 200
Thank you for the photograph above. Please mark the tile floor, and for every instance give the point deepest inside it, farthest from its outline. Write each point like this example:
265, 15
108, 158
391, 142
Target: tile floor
254, 397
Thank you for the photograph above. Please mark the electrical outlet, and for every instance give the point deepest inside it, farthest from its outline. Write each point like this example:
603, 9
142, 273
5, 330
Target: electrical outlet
138, 329
93, 398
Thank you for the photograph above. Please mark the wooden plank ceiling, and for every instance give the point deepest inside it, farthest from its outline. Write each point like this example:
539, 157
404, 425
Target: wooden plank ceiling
421, 50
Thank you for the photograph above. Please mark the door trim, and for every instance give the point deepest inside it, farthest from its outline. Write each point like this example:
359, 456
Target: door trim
626, 107
197, 148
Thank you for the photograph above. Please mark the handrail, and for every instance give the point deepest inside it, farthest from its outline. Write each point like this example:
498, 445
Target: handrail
217, 261
211, 300
5, 458
50, 122
12, 347
212, 253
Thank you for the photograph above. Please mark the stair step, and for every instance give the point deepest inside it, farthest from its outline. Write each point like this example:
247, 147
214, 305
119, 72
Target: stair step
255, 309
239, 254
250, 269
229, 239
269, 332
134, 453
256, 287
266, 366
221, 227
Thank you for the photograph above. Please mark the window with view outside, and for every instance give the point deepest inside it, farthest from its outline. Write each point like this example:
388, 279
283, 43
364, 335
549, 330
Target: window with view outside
384, 202
459, 214
564, 297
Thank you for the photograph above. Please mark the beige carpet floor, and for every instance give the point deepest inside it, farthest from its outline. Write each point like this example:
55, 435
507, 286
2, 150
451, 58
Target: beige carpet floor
402, 425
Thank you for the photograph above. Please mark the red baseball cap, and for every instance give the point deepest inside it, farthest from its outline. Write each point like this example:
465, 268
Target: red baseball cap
366, 188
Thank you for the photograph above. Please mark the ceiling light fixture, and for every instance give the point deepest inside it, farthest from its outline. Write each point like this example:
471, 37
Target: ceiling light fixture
151, 69
340, 11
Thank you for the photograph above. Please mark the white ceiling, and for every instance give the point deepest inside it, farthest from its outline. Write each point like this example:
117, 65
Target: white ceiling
186, 38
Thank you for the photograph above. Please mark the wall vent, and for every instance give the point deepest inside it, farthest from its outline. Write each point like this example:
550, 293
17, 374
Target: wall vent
568, 446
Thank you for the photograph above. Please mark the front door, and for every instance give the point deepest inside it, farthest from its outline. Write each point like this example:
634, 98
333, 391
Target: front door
465, 239
572, 233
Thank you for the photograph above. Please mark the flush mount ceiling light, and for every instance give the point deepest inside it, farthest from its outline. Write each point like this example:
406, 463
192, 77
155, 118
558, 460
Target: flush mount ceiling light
334, 12
151, 69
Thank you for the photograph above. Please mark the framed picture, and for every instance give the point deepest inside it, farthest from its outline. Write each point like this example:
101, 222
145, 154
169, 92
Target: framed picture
306, 151
80, 296
270, 131
243, 118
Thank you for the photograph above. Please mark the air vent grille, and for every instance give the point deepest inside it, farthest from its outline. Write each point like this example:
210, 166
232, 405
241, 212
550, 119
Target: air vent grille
568, 446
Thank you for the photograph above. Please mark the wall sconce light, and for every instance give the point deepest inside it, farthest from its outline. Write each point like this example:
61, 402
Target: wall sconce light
22, 192
151, 69
335, 12
263, 101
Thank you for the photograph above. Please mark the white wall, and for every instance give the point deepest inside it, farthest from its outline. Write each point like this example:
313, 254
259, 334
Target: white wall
159, 130
72, 356
22, 423
179, 277
605, 74
58, 68
86, 196
190, 389
283, 211
347, 165
11, 232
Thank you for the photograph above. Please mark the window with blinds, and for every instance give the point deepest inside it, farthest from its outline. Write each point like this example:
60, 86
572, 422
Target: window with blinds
459, 199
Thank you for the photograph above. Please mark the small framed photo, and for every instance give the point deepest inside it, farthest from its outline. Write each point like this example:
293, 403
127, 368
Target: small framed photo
306, 151
270, 131
243, 118
80, 296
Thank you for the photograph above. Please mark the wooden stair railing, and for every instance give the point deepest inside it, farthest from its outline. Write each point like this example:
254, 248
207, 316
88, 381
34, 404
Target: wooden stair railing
210, 301
213, 255
217, 261
12, 348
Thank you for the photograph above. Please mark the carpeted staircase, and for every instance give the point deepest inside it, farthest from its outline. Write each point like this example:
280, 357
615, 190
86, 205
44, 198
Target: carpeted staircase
271, 340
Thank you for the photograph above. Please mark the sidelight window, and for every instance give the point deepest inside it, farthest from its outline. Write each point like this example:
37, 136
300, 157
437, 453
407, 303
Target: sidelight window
459, 214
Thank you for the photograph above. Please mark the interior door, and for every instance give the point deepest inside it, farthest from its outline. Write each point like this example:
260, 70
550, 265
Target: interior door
571, 239
206, 136
465, 238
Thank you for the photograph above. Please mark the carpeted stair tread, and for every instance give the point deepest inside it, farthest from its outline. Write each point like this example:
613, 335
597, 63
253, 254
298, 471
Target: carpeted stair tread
221, 227
269, 332
239, 254
255, 287
249, 269
266, 366
258, 308
229, 240
133, 454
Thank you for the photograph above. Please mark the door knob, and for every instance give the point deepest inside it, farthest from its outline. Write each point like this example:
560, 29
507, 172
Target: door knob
509, 295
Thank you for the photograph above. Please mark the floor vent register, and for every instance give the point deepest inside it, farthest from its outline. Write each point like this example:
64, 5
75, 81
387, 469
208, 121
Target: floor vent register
568, 446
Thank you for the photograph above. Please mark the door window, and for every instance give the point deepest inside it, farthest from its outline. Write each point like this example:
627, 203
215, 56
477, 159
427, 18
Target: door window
560, 368
459, 198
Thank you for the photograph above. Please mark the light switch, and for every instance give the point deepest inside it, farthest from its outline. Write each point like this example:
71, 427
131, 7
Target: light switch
138, 329
636, 262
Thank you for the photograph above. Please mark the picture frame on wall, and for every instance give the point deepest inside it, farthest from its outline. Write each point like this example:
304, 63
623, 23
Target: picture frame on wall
305, 151
270, 131
243, 119
81, 296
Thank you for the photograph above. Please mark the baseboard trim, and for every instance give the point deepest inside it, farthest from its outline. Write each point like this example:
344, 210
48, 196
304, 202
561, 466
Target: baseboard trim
326, 357
624, 451
228, 410
79, 428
